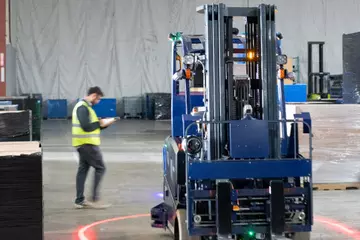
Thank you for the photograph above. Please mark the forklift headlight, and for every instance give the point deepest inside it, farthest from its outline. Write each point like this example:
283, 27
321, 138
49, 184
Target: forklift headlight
192, 145
281, 59
189, 59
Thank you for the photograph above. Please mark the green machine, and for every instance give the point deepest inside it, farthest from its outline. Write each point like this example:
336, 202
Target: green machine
317, 80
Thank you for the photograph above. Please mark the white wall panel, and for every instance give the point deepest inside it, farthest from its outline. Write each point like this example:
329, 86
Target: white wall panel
65, 46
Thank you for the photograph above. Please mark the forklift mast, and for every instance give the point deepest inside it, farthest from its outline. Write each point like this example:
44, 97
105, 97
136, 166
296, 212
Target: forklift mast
261, 70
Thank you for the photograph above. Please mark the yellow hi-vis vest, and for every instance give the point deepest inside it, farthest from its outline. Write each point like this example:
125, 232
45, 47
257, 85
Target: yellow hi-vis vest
79, 136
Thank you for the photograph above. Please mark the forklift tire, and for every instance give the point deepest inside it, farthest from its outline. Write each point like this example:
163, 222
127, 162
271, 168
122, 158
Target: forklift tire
301, 236
181, 232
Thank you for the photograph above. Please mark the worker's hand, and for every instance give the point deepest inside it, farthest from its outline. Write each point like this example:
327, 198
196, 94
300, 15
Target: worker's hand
102, 123
107, 122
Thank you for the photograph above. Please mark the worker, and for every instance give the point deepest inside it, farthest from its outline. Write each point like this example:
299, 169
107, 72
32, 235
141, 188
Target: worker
86, 128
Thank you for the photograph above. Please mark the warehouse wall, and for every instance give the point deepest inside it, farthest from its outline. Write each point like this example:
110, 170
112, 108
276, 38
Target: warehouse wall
65, 46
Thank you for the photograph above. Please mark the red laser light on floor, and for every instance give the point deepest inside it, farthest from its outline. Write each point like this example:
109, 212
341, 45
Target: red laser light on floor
87, 233
90, 234
83, 231
338, 227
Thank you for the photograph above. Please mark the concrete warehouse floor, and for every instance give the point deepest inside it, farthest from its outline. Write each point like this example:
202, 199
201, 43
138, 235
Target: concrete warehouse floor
132, 151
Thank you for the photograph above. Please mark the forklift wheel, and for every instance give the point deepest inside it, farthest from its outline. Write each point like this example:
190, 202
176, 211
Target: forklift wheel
181, 232
301, 236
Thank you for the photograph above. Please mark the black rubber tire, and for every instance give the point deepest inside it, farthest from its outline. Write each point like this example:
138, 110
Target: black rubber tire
301, 236
181, 227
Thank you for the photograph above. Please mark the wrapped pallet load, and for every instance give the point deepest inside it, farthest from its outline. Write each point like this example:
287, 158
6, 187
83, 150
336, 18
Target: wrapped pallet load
157, 106
31, 102
162, 106
133, 107
15, 126
351, 71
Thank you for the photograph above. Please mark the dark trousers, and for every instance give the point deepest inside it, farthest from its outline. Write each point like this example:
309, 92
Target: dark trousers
90, 156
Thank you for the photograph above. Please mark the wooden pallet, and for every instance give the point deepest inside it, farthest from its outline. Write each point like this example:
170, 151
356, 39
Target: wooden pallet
336, 186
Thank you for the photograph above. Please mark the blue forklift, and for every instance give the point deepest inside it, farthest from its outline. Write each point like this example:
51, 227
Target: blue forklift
232, 165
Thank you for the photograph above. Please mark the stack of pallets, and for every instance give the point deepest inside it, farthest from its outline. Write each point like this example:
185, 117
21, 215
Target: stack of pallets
21, 194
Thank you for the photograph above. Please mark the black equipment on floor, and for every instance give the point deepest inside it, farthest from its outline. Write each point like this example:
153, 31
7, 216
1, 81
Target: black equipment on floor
317, 80
335, 86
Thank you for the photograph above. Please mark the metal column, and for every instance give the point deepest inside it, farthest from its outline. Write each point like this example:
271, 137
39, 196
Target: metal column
209, 72
310, 78
268, 75
321, 68
214, 37
229, 93
221, 80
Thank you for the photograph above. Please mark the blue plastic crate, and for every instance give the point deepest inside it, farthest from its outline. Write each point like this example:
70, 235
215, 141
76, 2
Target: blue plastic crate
295, 93
5, 103
106, 108
57, 108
